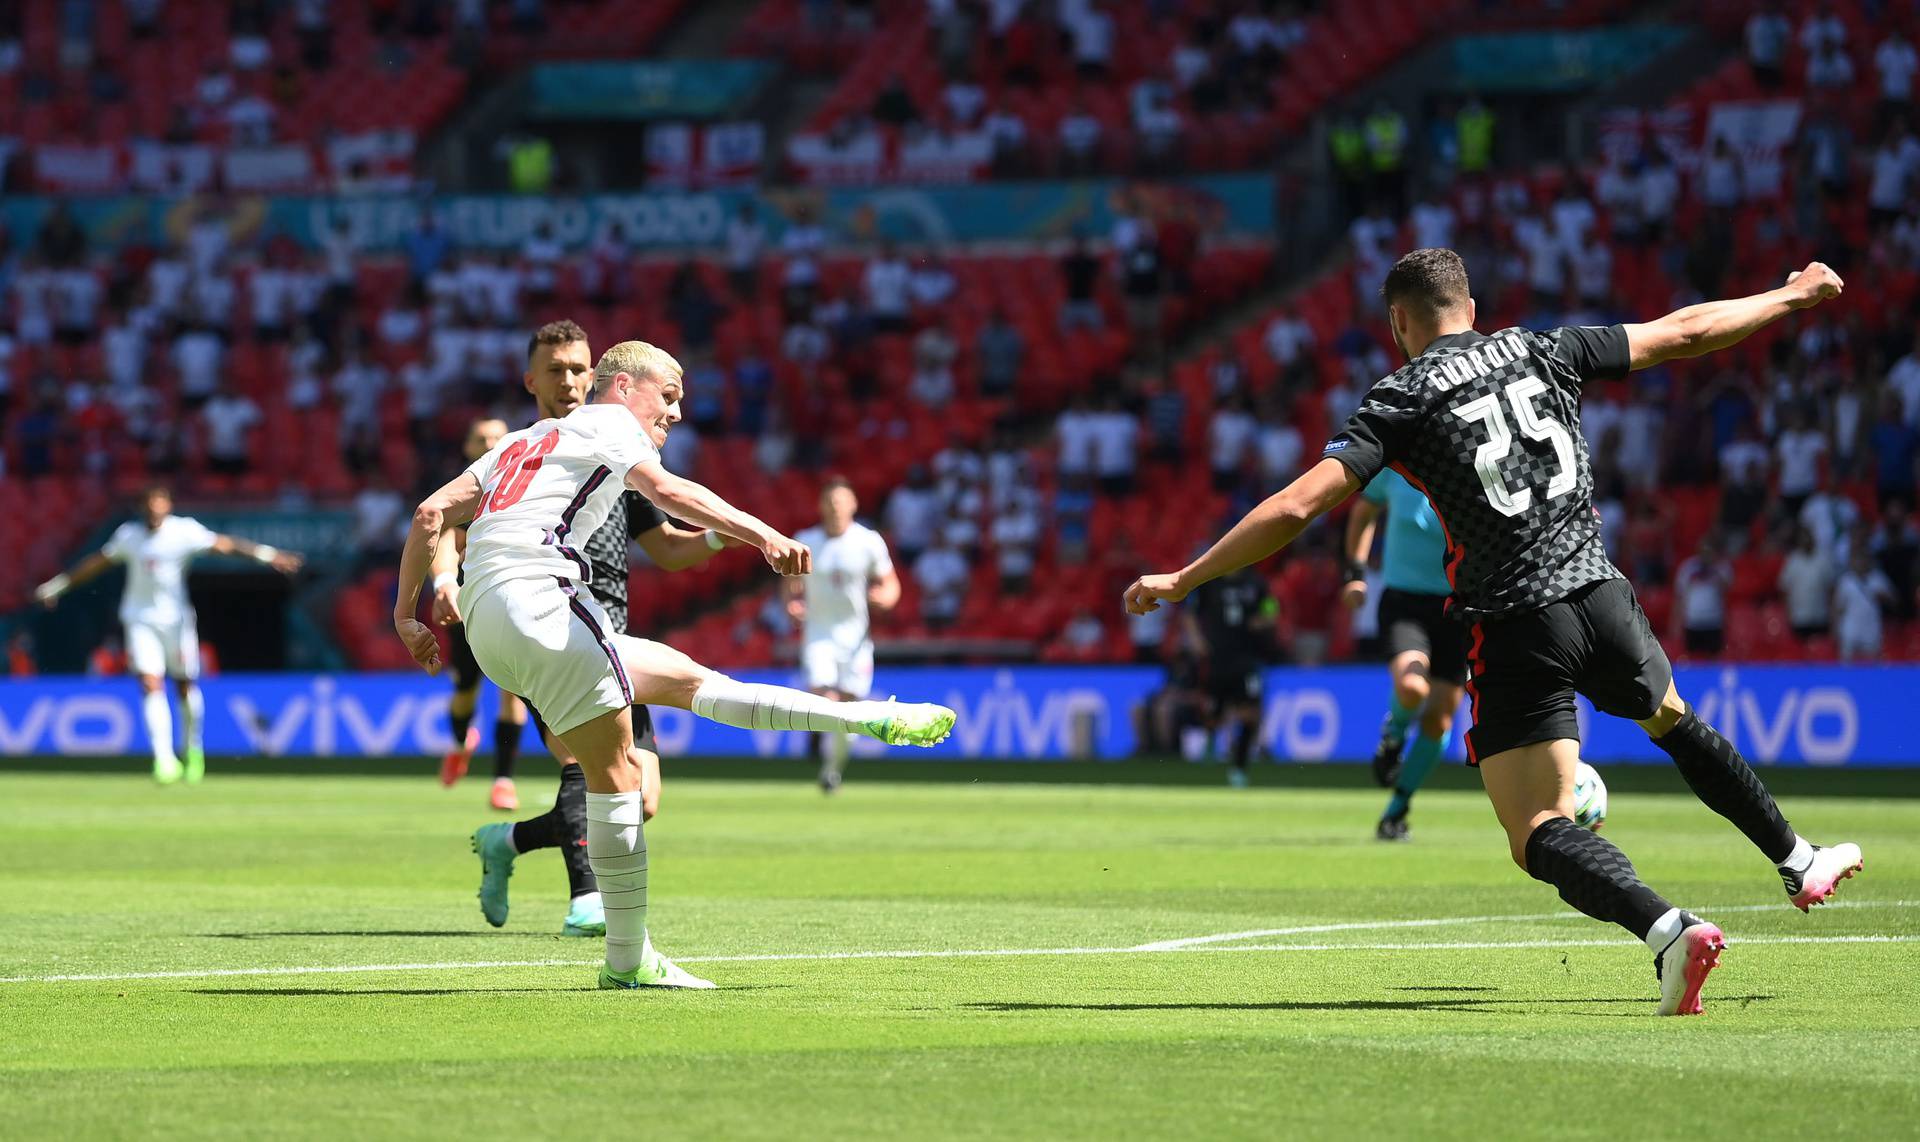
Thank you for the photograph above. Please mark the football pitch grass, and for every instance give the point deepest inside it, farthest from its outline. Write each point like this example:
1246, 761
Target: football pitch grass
274, 956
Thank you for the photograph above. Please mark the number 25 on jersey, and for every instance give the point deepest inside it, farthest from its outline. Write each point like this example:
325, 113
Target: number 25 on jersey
1535, 425
514, 471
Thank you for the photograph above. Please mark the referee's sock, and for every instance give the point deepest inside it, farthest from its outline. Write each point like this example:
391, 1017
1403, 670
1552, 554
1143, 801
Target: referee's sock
617, 846
1725, 783
506, 747
1399, 717
1593, 876
1422, 756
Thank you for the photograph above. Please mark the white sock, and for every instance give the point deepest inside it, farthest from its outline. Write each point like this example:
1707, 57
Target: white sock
193, 716
1665, 931
1801, 858
833, 753
159, 719
756, 706
617, 853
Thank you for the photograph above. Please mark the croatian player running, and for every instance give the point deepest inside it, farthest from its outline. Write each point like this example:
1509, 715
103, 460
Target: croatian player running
161, 636
559, 376
512, 718
1489, 428
535, 633
1426, 650
852, 574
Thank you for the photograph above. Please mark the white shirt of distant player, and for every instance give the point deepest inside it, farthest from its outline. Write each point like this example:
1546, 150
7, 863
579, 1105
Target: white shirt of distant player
156, 559
543, 513
844, 566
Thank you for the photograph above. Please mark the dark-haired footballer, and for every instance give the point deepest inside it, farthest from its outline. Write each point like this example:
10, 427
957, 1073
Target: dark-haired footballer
1488, 427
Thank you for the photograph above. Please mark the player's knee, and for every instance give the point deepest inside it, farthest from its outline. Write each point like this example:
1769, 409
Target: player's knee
1411, 687
149, 683
1671, 709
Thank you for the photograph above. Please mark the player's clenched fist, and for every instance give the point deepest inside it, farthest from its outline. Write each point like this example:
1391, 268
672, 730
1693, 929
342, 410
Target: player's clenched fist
788, 556
1149, 591
421, 643
1816, 284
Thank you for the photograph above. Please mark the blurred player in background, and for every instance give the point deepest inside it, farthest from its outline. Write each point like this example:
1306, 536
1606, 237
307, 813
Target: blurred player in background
852, 575
1489, 429
512, 718
1231, 627
162, 638
1426, 650
534, 632
559, 376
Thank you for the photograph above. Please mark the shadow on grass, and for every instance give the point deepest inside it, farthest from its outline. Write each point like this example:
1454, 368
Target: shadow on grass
1343, 1004
350, 992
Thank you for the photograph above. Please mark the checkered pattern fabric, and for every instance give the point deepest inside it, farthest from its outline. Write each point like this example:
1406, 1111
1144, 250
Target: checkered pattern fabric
1489, 429
606, 553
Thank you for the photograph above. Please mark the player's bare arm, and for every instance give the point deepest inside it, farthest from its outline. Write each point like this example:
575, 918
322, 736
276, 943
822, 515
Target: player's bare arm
883, 594
1713, 325
445, 572
695, 503
677, 548
285, 562
453, 504
1270, 526
93, 566
1362, 522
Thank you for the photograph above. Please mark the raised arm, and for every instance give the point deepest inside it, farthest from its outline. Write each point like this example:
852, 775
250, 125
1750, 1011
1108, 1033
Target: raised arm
453, 504
695, 503
285, 562
676, 549
1362, 522
1270, 526
93, 566
1713, 325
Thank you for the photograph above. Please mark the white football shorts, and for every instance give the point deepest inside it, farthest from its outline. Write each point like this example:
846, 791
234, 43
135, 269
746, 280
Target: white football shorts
170, 649
553, 645
830, 666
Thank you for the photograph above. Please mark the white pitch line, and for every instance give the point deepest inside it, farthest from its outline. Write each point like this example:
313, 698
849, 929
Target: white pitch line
928, 954
1177, 945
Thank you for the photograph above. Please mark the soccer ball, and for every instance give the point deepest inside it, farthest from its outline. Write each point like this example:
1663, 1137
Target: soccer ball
1589, 797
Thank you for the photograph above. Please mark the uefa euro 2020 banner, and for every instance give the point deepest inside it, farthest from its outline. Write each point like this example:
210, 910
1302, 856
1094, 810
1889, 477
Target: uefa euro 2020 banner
1777, 715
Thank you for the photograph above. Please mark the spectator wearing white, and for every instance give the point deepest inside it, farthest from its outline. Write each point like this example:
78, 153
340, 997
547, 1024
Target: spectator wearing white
305, 356
227, 419
404, 321
931, 282
1156, 118
1007, 132
212, 299
124, 346
1079, 136
998, 351
198, 357
1720, 181
1573, 216
1288, 340
1659, 194
1894, 165
1433, 220
1230, 435
1074, 431
1858, 598
1895, 61
1822, 29
270, 301
964, 100
1116, 447
359, 385
1904, 379
1373, 237
913, 514
1016, 536
884, 285
250, 121
76, 305
941, 573
1281, 447
33, 287
805, 343
1830, 69
801, 245
934, 351
1546, 260
379, 519
540, 257
746, 240
1090, 31
1767, 35
1828, 516
1806, 582
1702, 583
1798, 452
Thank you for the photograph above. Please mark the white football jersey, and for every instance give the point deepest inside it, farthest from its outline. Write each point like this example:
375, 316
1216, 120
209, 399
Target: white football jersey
543, 491
843, 567
156, 560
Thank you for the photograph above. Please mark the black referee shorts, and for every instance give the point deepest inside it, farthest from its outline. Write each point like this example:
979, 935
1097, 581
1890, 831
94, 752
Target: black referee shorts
1526, 668
466, 671
642, 726
1411, 621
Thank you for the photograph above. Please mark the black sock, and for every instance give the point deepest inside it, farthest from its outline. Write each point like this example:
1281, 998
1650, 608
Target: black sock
1592, 875
547, 830
1243, 735
460, 724
506, 746
1725, 783
571, 804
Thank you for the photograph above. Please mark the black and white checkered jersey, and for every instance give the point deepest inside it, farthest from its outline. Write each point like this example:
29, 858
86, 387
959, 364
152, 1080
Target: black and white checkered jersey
606, 551
1489, 429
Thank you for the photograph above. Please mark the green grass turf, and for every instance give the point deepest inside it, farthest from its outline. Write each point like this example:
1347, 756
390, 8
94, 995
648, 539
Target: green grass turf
105, 874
